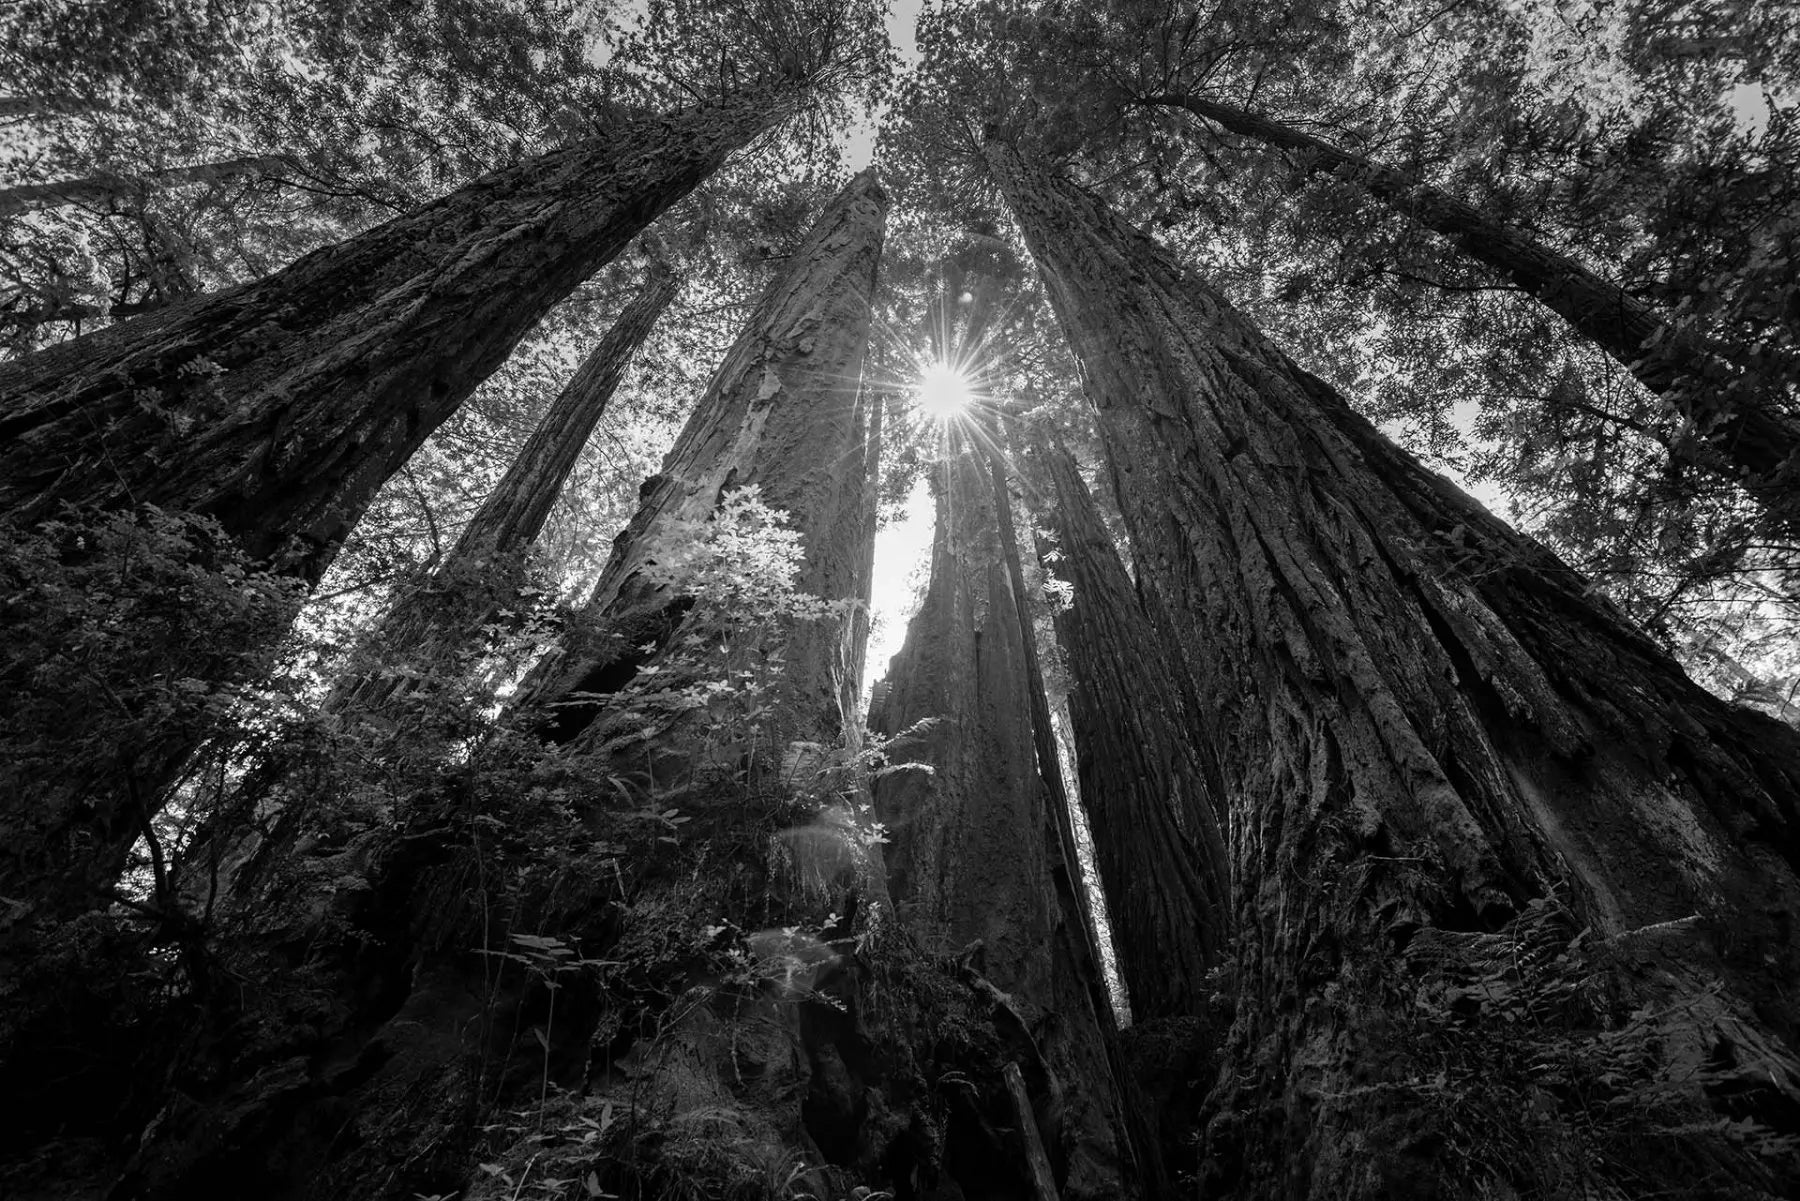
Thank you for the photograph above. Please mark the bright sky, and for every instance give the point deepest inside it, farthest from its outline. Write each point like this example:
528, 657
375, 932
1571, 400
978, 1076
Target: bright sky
905, 545
902, 549
859, 147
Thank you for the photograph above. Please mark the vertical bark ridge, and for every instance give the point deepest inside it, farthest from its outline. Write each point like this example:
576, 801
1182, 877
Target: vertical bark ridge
973, 854
1434, 737
432, 621
782, 413
1078, 944
1154, 801
278, 408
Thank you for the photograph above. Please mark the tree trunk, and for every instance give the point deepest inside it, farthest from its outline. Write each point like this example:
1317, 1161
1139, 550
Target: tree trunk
1079, 931
96, 189
428, 625
278, 409
1741, 410
687, 1006
781, 413
1444, 758
1154, 800
975, 864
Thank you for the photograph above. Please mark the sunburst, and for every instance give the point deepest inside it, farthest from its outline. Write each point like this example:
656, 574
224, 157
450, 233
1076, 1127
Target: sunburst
944, 391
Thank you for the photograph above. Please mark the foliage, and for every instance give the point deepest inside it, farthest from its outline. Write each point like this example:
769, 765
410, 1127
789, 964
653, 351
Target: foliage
722, 678
100, 606
694, 869
1542, 1060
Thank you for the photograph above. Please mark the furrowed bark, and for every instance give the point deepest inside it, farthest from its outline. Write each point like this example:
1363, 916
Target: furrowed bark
1444, 755
782, 412
1154, 800
432, 622
973, 856
96, 189
1747, 427
278, 409
1078, 915
419, 1003
1077, 926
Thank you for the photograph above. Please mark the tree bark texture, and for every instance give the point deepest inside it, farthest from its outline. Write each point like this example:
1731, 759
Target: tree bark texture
95, 189
1444, 756
1746, 424
430, 623
1154, 798
973, 855
694, 1009
782, 412
278, 409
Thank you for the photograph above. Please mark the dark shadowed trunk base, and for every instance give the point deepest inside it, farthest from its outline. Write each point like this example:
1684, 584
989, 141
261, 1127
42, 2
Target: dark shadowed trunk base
694, 1004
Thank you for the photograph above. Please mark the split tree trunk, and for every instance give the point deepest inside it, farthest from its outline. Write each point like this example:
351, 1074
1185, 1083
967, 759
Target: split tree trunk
95, 189
1154, 797
975, 864
1443, 756
278, 408
428, 625
1741, 408
782, 413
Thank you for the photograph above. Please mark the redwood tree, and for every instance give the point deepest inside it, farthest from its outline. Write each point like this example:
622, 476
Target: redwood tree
390, 1024
1736, 402
781, 413
277, 409
1153, 794
1510, 892
975, 862
434, 620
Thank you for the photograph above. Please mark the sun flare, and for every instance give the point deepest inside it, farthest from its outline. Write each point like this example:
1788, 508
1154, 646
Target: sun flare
943, 391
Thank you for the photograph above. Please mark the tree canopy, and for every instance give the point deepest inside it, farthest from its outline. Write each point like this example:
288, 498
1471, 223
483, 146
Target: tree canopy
300, 299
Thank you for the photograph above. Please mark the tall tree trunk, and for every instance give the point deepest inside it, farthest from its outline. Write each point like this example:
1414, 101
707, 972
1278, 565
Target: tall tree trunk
1444, 757
723, 1067
1741, 408
95, 189
1078, 927
781, 413
430, 623
975, 862
278, 409
1154, 799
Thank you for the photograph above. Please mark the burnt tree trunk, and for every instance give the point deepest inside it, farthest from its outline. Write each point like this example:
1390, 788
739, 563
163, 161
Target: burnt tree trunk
1741, 407
278, 409
95, 189
975, 861
1513, 896
430, 623
782, 413
1154, 798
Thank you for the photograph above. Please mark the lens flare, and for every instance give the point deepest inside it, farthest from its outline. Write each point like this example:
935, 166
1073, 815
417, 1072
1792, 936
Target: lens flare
943, 391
